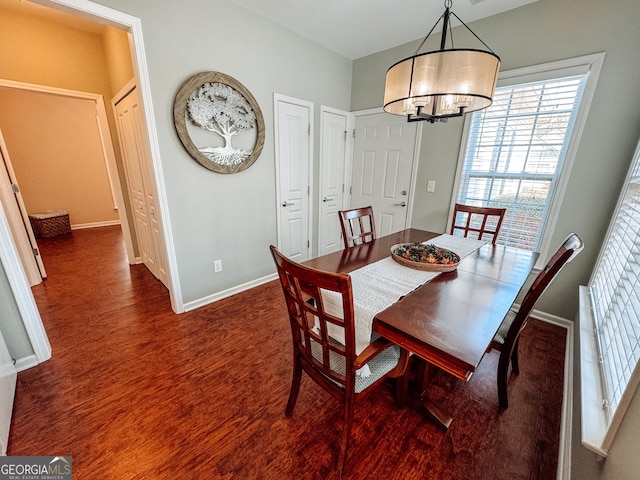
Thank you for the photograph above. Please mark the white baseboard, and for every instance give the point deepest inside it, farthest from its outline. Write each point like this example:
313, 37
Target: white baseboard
564, 449
228, 292
26, 362
80, 226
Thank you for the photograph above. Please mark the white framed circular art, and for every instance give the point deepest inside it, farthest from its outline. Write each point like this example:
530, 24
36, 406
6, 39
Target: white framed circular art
219, 122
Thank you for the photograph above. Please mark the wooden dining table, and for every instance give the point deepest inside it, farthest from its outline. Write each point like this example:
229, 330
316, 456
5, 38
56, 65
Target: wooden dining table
450, 321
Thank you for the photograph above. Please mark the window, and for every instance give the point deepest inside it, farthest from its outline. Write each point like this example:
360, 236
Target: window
613, 309
517, 152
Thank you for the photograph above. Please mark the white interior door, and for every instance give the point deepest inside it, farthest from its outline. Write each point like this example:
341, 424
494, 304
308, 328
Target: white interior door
7, 391
136, 157
384, 154
293, 161
18, 218
333, 154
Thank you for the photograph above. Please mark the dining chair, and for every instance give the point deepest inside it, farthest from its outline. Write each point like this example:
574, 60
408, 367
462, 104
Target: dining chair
477, 221
329, 363
507, 338
358, 226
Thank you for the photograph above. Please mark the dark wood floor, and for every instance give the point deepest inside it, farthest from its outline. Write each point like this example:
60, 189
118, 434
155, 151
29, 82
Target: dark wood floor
134, 391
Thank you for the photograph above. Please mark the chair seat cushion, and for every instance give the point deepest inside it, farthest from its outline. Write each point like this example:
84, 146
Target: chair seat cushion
501, 335
380, 365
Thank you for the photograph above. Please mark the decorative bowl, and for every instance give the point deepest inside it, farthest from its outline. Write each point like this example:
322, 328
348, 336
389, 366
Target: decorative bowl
425, 257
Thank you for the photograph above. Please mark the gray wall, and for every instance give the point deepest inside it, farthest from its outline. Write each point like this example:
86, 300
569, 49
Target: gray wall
214, 216
546, 31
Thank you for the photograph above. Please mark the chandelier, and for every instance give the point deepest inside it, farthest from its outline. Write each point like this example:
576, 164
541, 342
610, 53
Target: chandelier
440, 84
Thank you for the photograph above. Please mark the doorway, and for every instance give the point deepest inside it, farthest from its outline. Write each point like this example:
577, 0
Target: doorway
26, 304
64, 159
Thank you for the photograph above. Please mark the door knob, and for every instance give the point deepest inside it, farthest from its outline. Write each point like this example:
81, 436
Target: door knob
325, 199
401, 204
286, 204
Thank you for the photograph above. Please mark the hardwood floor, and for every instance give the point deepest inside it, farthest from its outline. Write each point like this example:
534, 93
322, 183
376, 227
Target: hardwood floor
134, 391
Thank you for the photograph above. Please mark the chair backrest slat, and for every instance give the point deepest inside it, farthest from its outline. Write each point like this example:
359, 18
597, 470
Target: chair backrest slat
358, 226
479, 221
318, 302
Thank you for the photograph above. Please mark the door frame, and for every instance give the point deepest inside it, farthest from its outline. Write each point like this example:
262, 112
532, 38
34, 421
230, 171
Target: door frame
277, 98
106, 144
24, 298
18, 220
8, 253
414, 164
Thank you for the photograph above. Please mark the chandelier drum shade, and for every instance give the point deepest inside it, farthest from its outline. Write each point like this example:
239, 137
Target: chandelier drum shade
440, 84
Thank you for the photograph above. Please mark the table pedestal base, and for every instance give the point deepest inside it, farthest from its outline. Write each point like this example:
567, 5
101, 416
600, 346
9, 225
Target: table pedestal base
415, 393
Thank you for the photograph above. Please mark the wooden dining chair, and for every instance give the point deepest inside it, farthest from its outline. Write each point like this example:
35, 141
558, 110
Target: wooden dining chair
330, 364
477, 222
507, 338
358, 226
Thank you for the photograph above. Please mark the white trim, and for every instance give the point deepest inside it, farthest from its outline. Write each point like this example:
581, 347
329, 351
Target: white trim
229, 292
595, 65
26, 363
566, 422
587, 63
22, 292
594, 420
277, 99
123, 21
82, 226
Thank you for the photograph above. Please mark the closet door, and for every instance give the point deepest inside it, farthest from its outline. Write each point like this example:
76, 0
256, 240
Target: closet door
137, 160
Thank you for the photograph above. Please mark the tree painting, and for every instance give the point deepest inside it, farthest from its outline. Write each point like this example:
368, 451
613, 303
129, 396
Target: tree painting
221, 109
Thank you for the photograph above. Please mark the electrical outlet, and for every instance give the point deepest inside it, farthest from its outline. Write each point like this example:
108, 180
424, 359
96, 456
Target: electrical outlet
217, 266
431, 186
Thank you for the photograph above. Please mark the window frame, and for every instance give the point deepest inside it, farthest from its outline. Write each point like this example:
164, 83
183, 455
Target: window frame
590, 64
599, 426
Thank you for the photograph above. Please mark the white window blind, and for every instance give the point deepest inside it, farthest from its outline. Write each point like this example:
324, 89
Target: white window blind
515, 152
615, 299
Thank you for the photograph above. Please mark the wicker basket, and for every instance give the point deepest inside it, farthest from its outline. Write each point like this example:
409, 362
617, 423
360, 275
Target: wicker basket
50, 224
429, 267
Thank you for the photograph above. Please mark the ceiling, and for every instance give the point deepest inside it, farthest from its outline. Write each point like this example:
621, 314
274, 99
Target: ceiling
355, 28
352, 28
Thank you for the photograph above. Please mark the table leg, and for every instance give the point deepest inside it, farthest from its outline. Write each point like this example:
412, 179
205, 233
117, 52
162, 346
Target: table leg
417, 394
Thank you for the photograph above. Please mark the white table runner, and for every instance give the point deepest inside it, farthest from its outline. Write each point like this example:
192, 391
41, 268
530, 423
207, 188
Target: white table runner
380, 284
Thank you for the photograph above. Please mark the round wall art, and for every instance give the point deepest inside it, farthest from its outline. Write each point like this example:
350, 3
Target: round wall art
219, 122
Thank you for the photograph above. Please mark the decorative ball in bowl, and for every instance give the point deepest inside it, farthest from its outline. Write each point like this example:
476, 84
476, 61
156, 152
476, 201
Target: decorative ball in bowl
425, 257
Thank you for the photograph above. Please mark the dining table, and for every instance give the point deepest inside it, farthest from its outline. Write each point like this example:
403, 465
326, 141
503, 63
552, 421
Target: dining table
449, 321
